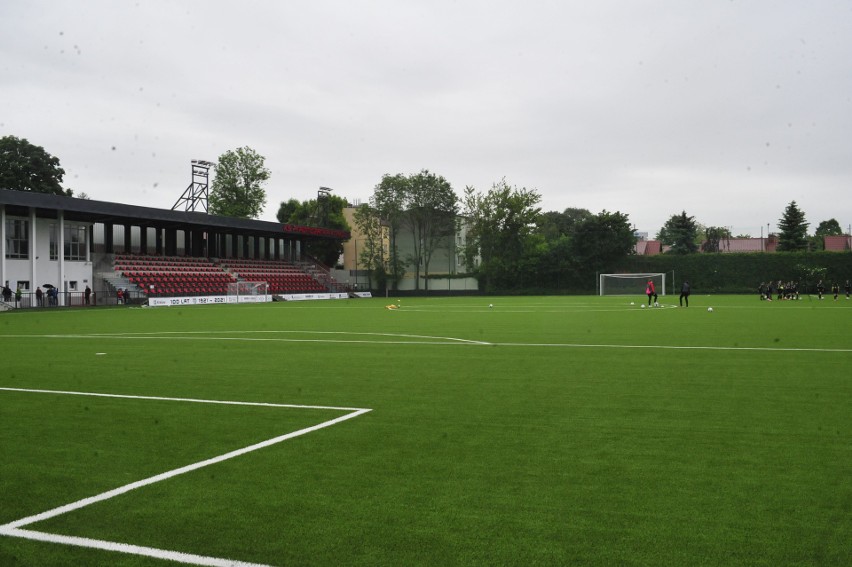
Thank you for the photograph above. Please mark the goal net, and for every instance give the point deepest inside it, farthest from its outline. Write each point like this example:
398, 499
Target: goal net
248, 288
631, 284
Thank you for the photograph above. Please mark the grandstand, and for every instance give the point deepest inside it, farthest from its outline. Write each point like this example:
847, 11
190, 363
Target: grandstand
173, 276
282, 277
72, 244
164, 276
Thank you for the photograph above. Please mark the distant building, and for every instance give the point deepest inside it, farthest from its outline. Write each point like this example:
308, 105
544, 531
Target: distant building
740, 245
842, 243
446, 268
648, 247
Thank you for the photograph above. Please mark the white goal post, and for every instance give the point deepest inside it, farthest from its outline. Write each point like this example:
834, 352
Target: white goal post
631, 284
248, 288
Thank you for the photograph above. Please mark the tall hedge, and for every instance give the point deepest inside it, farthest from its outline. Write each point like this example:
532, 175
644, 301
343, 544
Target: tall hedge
741, 273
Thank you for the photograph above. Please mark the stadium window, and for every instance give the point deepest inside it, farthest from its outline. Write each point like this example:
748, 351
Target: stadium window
72, 285
24, 285
75, 242
17, 239
54, 243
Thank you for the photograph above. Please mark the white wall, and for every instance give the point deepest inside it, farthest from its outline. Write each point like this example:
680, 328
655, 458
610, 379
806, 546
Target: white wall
39, 269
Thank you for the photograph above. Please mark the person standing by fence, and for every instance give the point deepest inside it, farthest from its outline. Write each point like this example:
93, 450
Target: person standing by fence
18, 295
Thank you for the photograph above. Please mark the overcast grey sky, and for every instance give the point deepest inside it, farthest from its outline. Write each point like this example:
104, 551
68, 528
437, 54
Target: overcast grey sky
727, 109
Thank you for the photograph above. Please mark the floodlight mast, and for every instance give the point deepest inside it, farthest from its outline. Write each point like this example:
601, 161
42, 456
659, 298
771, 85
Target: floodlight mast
322, 210
198, 192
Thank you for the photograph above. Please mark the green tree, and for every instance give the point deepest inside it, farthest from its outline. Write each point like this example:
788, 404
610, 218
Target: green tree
828, 227
556, 268
500, 234
602, 240
793, 229
713, 238
371, 254
553, 224
389, 201
430, 211
237, 190
26, 167
680, 232
324, 212
286, 210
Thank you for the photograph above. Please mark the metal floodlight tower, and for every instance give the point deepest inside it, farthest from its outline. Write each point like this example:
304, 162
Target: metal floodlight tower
198, 191
322, 211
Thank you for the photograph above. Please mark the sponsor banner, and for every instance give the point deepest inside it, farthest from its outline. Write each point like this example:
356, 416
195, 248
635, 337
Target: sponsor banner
254, 298
313, 296
364, 294
206, 300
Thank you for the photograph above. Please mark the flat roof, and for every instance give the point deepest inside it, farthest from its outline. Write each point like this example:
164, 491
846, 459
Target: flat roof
19, 202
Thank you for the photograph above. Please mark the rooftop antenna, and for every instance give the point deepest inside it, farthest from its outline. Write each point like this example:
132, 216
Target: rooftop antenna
198, 191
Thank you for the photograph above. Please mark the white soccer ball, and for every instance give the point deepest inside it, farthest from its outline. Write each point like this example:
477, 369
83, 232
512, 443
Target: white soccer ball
643, 306
632, 303
710, 309
490, 305
656, 304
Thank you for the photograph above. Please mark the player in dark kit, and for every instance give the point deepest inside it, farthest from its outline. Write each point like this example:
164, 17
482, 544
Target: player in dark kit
684, 293
848, 289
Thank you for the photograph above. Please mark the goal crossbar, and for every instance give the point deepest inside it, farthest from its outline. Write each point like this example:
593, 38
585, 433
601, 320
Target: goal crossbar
248, 288
631, 283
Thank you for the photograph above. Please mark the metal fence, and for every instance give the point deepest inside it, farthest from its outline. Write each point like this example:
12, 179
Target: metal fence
47, 300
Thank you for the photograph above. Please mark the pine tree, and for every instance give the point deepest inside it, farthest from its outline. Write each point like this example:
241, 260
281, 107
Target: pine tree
794, 229
680, 233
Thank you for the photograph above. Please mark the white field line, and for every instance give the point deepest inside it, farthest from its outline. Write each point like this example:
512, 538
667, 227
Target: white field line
205, 335
441, 341
13, 528
176, 556
515, 310
293, 332
190, 400
676, 347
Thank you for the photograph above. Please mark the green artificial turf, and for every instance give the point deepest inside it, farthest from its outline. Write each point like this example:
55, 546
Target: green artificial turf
542, 431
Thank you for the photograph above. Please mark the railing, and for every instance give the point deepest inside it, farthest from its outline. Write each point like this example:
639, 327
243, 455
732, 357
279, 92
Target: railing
30, 299
321, 273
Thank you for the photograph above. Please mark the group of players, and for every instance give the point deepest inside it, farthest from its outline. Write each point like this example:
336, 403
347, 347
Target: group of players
790, 290
651, 292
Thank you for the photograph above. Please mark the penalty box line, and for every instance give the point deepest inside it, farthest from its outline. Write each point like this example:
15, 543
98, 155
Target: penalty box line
13, 529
